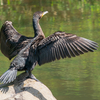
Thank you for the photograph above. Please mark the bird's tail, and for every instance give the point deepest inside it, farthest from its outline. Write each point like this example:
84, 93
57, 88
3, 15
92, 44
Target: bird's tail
8, 76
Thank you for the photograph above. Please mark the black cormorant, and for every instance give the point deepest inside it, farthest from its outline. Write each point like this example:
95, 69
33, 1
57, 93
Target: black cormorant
40, 50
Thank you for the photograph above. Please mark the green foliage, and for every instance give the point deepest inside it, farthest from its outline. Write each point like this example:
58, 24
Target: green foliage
75, 77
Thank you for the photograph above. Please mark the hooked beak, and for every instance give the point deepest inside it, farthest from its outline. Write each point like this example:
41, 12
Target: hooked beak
44, 13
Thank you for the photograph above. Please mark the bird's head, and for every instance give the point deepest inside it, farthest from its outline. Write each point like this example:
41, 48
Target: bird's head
38, 15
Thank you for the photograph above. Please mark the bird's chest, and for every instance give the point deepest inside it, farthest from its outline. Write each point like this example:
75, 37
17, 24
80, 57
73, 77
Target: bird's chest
25, 53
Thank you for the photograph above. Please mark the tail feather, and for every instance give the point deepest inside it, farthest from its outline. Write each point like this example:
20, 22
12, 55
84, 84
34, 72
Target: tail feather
3, 75
14, 76
8, 76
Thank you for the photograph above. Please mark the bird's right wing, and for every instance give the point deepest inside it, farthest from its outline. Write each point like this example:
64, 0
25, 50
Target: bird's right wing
11, 41
62, 45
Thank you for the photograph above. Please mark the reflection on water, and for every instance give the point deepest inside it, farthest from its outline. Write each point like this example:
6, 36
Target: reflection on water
69, 79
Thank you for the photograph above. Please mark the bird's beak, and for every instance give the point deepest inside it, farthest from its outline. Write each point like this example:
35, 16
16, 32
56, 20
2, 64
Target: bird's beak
44, 13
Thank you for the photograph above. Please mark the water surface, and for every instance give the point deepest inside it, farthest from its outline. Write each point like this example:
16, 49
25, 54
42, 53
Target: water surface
69, 79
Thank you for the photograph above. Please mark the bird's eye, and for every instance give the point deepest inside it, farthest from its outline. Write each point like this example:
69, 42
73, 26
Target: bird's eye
39, 17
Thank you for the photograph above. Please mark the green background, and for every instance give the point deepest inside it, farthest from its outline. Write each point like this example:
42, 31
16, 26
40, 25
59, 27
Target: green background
69, 79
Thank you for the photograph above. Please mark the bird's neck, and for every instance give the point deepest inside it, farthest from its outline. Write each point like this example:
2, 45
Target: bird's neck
37, 28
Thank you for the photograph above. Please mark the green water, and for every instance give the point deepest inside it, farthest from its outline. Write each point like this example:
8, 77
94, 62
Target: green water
69, 79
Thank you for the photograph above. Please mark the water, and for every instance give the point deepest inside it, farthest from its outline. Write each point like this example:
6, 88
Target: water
69, 79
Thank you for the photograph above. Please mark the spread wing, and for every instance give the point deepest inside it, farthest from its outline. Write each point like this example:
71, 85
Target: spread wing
11, 41
62, 45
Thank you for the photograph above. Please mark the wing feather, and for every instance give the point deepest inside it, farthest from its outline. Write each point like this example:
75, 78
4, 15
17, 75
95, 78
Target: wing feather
11, 41
61, 45
74, 49
86, 46
78, 48
90, 45
81, 45
71, 50
61, 50
53, 52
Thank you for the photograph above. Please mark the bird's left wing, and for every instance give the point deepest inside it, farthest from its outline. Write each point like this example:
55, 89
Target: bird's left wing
62, 45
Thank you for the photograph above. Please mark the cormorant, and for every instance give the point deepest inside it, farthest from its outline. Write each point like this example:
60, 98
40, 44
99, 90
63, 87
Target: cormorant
40, 50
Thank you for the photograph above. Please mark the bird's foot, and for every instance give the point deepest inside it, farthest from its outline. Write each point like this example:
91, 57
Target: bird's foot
32, 77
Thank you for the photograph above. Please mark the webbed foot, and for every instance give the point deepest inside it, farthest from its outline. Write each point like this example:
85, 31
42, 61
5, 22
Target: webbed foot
32, 77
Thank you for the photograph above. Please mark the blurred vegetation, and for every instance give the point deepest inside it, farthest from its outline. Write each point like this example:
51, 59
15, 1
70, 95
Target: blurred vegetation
68, 78
21, 10
84, 12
